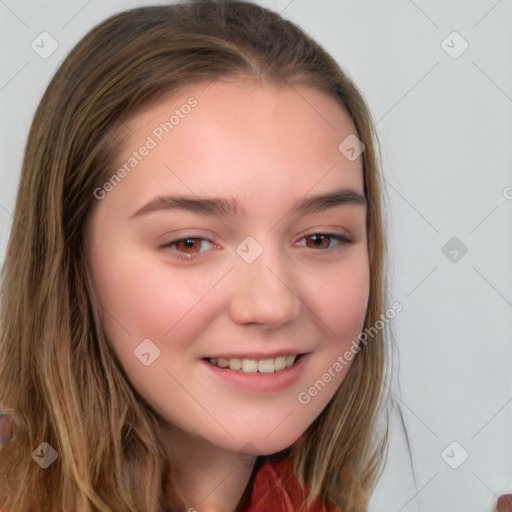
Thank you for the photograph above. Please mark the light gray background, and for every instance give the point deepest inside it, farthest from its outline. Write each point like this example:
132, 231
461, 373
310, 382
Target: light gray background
445, 128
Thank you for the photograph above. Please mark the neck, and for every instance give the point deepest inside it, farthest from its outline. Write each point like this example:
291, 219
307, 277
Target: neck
209, 478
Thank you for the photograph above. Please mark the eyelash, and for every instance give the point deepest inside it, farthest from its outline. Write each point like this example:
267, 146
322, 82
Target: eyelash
342, 239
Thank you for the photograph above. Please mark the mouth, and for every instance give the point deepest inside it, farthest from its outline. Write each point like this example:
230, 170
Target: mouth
273, 365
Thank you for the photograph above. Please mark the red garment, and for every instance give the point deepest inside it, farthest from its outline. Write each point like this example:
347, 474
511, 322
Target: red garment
277, 489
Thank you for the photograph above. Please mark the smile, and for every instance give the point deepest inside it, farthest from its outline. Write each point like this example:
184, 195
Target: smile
256, 365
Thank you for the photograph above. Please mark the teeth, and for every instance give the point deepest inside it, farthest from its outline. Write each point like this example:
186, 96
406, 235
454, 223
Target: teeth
280, 363
290, 360
266, 366
235, 364
249, 365
255, 365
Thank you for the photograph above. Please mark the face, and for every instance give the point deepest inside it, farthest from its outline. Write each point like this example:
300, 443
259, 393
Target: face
235, 236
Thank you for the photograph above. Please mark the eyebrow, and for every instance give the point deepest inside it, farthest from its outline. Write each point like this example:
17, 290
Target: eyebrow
229, 207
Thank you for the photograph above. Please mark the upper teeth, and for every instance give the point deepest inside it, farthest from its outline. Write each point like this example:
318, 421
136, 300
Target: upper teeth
255, 365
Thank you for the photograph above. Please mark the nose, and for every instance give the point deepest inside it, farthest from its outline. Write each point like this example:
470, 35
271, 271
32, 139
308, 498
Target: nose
264, 292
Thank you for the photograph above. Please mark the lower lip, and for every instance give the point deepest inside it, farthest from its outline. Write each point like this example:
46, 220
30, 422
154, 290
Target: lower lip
261, 382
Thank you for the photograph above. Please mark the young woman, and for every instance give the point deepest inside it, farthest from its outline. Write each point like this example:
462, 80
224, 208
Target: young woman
195, 275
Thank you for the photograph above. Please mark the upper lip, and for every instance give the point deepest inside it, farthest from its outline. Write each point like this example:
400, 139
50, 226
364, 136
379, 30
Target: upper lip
258, 355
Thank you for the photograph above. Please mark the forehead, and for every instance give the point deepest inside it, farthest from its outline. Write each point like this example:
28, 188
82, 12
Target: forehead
241, 135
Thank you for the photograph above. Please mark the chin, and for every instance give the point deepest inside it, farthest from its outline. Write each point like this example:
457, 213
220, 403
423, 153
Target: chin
261, 444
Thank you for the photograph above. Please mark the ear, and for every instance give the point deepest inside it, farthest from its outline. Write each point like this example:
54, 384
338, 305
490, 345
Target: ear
504, 503
6, 428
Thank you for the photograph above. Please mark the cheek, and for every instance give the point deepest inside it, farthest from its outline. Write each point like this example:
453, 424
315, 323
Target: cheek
149, 301
342, 301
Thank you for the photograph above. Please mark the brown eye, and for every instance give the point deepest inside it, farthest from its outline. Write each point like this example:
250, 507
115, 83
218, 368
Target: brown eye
318, 241
189, 245
326, 241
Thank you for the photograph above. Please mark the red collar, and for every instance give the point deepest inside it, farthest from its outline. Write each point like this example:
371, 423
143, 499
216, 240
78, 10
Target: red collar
277, 489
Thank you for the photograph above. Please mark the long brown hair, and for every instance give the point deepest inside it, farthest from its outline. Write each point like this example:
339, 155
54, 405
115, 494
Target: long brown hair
58, 376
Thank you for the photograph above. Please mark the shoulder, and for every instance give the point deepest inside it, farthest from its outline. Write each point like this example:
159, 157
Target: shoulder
277, 489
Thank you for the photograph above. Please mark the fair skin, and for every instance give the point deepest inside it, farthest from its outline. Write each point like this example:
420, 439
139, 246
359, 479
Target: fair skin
268, 147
